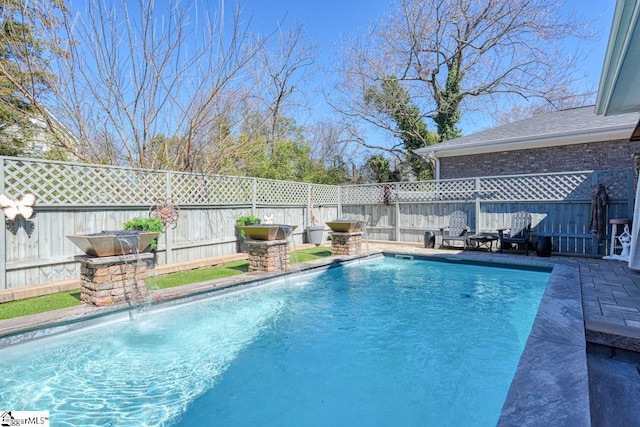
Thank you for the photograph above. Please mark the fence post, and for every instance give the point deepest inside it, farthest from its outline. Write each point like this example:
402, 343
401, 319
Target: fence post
477, 229
595, 180
396, 192
168, 240
307, 218
3, 236
254, 196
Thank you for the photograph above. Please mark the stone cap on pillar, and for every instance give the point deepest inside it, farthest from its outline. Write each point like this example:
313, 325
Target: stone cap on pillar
105, 261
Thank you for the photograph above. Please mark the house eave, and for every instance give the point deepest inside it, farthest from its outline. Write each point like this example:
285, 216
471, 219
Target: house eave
514, 144
620, 81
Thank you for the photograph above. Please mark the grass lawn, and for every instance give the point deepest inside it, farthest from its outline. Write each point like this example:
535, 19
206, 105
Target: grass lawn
41, 304
200, 275
226, 270
11, 309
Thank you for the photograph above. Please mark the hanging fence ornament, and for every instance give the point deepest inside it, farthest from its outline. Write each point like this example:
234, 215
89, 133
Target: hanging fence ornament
166, 211
23, 206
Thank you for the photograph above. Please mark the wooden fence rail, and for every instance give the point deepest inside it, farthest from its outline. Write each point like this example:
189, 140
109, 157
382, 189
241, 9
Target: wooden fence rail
77, 198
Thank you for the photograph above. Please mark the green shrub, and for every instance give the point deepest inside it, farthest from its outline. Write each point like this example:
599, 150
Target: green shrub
146, 225
246, 220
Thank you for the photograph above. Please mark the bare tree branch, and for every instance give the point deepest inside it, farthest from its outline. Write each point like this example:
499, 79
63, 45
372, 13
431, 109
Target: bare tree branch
456, 56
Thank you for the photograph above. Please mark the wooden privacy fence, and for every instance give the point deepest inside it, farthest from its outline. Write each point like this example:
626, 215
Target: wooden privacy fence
79, 198
560, 204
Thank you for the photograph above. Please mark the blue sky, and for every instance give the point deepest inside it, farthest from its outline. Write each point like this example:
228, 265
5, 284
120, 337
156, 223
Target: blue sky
326, 21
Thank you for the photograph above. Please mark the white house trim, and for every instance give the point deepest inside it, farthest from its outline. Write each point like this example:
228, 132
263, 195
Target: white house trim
524, 143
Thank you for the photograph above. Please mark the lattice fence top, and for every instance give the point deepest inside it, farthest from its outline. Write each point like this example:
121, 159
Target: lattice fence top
59, 184
445, 190
617, 182
63, 184
324, 194
281, 192
538, 187
70, 184
199, 189
362, 194
554, 186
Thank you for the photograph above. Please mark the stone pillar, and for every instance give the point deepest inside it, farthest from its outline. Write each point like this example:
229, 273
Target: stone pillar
346, 243
113, 279
268, 255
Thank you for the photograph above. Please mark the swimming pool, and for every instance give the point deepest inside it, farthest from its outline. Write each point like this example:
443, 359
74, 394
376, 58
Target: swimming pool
378, 342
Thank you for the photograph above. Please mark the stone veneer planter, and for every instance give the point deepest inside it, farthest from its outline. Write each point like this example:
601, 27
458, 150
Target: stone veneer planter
346, 243
113, 279
268, 255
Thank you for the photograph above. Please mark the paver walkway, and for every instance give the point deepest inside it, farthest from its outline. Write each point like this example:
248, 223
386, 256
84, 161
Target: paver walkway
611, 303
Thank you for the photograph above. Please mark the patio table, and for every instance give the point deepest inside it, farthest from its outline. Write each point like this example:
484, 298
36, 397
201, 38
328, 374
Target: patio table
479, 240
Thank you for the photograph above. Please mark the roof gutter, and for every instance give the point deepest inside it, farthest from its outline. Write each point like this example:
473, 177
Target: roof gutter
432, 158
620, 82
436, 165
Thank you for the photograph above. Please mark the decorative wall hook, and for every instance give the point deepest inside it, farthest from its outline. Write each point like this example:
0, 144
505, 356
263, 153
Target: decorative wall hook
23, 206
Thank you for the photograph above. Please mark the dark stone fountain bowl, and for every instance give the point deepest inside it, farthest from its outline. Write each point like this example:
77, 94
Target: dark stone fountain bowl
112, 243
268, 231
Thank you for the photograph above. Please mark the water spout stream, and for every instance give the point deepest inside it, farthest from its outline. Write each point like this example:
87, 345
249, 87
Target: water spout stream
137, 299
365, 236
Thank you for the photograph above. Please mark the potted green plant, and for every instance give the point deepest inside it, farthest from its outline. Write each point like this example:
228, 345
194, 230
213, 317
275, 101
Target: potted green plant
154, 225
246, 220
241, 221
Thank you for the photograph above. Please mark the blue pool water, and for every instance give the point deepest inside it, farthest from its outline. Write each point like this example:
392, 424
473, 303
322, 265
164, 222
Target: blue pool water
382, 342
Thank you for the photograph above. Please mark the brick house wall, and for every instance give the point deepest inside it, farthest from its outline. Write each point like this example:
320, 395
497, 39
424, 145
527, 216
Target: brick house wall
590, 156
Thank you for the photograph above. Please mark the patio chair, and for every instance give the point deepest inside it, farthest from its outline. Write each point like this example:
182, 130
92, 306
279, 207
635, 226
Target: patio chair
457, 229
519, 231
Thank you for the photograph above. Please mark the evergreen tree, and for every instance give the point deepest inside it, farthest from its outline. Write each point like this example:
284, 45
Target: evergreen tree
24, 79
393, 100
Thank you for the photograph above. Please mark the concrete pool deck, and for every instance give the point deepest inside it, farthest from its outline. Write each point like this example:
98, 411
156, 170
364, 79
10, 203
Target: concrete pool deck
602, 311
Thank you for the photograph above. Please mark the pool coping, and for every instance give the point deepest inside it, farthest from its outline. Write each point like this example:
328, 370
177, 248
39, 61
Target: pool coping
551, 383
550, 386
36, 326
